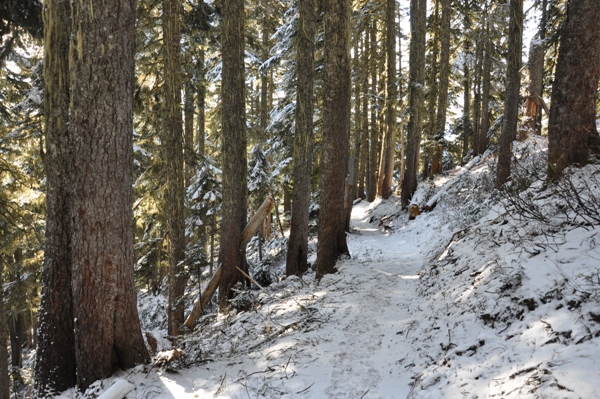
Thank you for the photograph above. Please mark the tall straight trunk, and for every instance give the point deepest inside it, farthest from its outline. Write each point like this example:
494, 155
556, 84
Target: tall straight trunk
55, 365
432, 88
364, 148
442, 103
297, 250
264, 77
106, 323
535, 64
188, 129
4, 376
336, 123
389, 141
572, 132
477, 94
231, 255
486, 91
355, 141
402, 141
511, 99
373, 131
418, 16
201, 123
172, 148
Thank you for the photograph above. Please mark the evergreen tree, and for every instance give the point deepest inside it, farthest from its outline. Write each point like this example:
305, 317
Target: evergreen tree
418, 14
233, 221
105, 321
172, 151
511, 99
572, 133
56, 366
297, 251
336, 125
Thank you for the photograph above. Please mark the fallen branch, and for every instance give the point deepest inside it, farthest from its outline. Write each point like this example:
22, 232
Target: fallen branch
204, 300
249, 278
256, 221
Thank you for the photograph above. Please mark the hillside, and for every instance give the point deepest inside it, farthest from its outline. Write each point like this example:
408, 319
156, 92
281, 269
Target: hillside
485, 296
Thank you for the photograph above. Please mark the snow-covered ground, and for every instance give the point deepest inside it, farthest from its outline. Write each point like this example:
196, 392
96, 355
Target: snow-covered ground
470, 300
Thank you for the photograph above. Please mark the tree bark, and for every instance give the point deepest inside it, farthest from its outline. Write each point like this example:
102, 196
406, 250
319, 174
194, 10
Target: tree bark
486, 91
418, 16
535, 64
234, 150
572, 132
373, 133
55, 365
336, 123
172, 149
442, 105
511, 99
389, 140
4, 376
364, 148
106, 323
297, 251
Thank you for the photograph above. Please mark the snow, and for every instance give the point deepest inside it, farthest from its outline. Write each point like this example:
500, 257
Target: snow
470, 300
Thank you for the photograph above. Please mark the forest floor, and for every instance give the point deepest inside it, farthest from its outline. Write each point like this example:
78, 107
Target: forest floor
474, 299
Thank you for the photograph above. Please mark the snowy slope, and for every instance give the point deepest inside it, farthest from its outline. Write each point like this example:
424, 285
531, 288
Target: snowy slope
467, 301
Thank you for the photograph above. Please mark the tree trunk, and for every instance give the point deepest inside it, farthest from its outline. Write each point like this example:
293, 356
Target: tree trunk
297, 251
535, 64
264, 77
572, 133
418, 16
442, 105
486, 91
511, 99
235, 190
373, 145
336, 124
201, 124
172, 148
188, 136
389, 141
432, 91
4, 376
107, 327
364, 148
479, 44
55, 365
16, 329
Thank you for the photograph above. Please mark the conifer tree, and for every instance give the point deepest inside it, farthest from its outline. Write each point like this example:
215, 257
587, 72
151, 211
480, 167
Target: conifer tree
297, 252
511, 99
336, 125
418, 14
572, 132
234, 140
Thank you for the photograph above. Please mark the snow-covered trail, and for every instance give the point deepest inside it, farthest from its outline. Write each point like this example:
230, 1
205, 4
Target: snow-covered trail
372, 311
349, 335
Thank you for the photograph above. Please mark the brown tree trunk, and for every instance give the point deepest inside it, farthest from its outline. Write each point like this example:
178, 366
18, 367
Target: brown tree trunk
364, 148
442, 105
373, 134
511, 99
418, 16
188, 135
297, 251
16, 330
535, 64
336, 123
479, 45
486, 91
106, 323
572, 133
4, 376
432, 90
264, 77
389, 140
55, 365
201, 124
172, 150
234, 206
